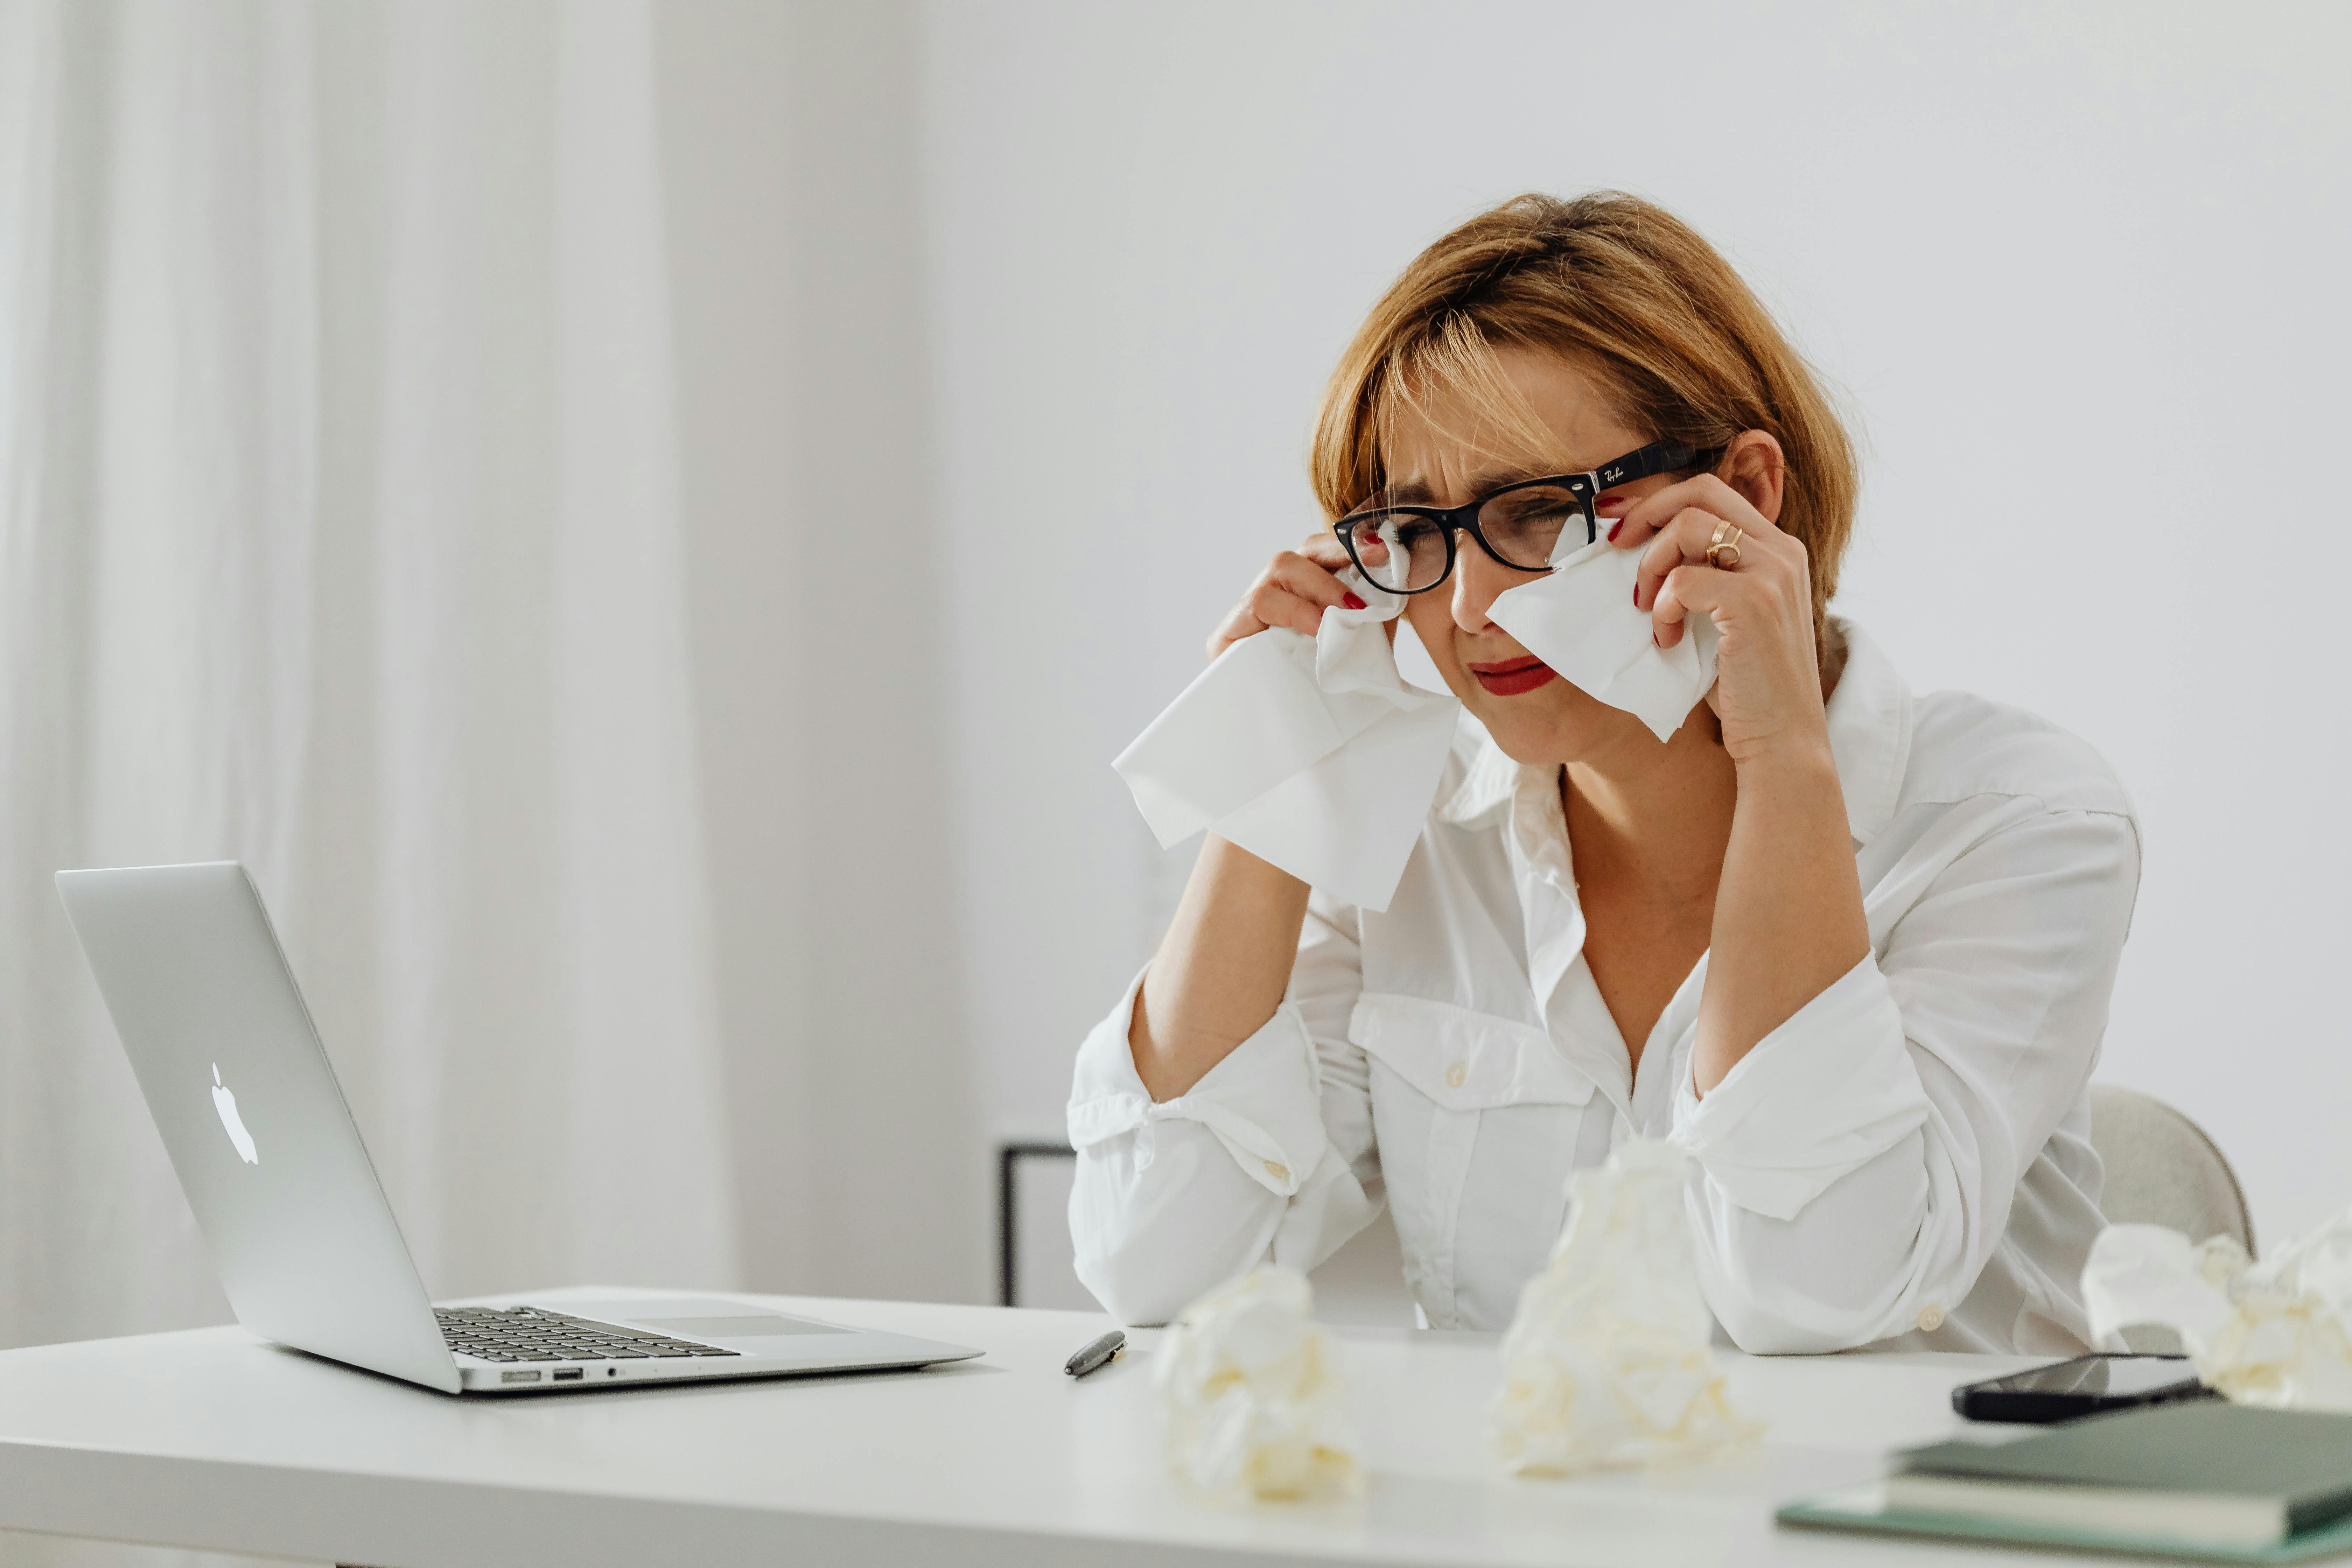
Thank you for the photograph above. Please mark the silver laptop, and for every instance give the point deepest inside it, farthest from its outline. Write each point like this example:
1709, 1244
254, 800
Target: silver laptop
289, 1202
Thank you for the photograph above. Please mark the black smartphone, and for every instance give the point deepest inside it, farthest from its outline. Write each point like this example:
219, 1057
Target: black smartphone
2083, 1386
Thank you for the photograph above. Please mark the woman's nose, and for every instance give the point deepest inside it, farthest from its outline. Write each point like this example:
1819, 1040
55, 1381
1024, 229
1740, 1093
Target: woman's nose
1476, 581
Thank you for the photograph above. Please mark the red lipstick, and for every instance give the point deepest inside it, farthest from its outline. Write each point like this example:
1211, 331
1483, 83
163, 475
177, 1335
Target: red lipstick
1513, 676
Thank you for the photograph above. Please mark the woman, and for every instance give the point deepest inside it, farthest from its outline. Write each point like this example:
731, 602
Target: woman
1849, 948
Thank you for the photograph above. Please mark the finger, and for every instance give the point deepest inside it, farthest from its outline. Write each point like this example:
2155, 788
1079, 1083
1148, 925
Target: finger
1685, 538
1236, 626
1688, 591
1636, 523
1325, 550
1276, 606
1292, 592
1746, 599
1678, 541
1310, 580
1261, 609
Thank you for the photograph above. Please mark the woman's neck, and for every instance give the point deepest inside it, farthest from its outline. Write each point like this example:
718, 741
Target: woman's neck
1658, 815
1648, 827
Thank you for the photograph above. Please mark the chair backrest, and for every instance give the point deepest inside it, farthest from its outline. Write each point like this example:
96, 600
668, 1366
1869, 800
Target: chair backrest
2163, 1170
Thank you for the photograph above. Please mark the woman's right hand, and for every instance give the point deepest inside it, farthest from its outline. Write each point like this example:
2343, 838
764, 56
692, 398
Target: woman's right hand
1293, 592
1222, 969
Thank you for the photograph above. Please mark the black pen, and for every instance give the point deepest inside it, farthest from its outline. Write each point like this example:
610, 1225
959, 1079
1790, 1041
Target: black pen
1095, 1355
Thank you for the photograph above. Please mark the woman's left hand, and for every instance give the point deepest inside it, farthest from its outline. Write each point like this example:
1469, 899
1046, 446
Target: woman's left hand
1788, 910
1768, 683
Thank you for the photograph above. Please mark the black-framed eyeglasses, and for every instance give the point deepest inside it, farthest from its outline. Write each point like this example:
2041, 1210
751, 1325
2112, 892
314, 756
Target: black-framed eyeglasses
1521, 525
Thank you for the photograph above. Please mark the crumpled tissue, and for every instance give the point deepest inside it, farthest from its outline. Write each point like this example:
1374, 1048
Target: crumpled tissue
1254, 1396
1310, 752
1608, 1360
1581, 621
2277, 1333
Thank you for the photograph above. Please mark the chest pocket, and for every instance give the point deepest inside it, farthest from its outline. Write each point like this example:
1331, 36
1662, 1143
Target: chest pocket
1461, 1058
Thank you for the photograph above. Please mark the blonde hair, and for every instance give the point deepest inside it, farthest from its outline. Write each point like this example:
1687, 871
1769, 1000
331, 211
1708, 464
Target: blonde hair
1678, 342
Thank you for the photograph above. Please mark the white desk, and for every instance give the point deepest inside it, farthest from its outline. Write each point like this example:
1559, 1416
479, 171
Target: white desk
211, 1440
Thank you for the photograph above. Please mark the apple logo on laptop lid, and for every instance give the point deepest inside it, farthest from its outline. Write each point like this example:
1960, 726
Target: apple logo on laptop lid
225, 1101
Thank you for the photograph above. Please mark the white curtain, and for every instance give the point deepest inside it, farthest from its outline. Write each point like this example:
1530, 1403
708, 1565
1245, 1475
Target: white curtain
339, 535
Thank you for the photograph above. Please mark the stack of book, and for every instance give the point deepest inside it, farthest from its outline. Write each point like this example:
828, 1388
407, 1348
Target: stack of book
2205, 1480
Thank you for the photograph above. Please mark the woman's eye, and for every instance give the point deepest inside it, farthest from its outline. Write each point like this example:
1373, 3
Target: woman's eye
1522, 510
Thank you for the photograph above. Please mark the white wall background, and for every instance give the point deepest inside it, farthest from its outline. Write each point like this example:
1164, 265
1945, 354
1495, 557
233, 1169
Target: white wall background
2081, 271
791, 137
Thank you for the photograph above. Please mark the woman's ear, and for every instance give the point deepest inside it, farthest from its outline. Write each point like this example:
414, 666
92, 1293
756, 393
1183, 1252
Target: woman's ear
1754, 465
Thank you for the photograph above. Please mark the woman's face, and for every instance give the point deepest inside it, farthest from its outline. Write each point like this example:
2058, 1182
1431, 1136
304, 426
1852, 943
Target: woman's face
1534, 716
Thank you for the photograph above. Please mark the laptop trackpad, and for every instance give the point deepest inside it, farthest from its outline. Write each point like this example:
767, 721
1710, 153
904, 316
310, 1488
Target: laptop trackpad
761, 1327
692, 1318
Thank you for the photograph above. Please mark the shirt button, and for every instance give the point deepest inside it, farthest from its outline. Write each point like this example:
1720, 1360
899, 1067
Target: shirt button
1931, 1318
1455, 1074
1278, 1169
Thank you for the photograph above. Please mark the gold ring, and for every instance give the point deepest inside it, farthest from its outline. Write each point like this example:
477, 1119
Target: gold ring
1723, 550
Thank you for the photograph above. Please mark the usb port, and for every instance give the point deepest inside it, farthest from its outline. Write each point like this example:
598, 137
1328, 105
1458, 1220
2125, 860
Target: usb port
570, 1374
531, 1376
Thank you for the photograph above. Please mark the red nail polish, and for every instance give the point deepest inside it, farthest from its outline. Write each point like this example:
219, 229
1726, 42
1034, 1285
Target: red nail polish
1352, 601
1613, 528
1610, 500
1637, 595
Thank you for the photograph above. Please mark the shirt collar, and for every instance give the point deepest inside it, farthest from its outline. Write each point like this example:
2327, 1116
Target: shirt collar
1486, 789
1870, 739
1870, 733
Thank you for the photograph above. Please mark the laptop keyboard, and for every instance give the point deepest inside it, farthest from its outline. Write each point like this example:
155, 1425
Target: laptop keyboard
533, 1333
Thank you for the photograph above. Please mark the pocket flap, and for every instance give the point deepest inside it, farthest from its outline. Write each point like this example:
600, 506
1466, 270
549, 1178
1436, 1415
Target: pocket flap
1462, 1058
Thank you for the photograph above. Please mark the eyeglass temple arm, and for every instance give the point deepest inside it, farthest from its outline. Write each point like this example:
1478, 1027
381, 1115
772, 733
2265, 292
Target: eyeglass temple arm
1660, 458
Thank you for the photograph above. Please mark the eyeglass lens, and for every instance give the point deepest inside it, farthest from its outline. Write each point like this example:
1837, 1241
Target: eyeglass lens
1405, 551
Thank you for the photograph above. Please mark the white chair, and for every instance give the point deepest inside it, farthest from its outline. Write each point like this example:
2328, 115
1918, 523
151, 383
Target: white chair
2163, 1170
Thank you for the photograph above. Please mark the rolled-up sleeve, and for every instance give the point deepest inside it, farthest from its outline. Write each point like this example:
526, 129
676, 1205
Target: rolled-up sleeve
1269, 1156
1854, 1173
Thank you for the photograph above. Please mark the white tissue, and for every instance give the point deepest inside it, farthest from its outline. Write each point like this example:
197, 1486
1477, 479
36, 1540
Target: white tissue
1254, 1395
1581, 621
2277, 1333
1310, 753
1608, 1360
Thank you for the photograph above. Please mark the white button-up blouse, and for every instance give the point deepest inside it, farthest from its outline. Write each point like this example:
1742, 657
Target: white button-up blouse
1907, 1158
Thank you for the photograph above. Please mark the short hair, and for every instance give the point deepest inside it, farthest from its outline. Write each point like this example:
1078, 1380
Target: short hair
1677, 341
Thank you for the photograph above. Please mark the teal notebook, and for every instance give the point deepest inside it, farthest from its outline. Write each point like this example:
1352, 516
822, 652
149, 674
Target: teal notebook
1858, 1507
2205, 1481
